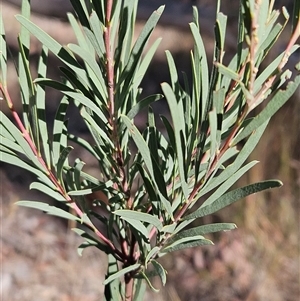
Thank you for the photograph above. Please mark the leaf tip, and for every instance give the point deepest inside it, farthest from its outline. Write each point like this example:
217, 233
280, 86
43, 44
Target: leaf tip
280, 183
160, 10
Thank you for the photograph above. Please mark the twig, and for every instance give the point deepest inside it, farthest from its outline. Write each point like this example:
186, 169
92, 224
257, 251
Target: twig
51, 175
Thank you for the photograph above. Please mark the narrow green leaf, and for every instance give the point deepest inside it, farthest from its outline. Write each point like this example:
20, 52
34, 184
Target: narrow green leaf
262, 16
117, 11
150, 189
231, 197
127, 74
139, 289
270, 70
234, 167
229, 154
145, 153
169, 228
142, 104
140, 216
228, 72
94, 70
85, 245
54, 47
112, 289
48, 209
201, 68
153, 251
139, 227
126, 31
83, 143
15, 132
196, 90
80, 192
77, 82
97, 31
271, 108
121, 273
178, 124
220, 31
61, 162
170, 131
24, 71
26, 88
270, 40
143, 37
140, 143
229, 182
172, 70
24, 75
160, 271
90, 240
52, 192
15, 160
213, 134
81, 11
53, 84
59, 130
97, 129
9, 144
99, 7
82, 41
188, 242
3, 54
154, 146
49, 42
41, 108
145, 277
143, 66
88, 103
202, 230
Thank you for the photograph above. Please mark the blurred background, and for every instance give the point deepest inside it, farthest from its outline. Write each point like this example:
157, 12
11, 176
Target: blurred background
258, 261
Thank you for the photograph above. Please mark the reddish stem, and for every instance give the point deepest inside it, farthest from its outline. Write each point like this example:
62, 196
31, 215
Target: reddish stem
109, 63
49, 173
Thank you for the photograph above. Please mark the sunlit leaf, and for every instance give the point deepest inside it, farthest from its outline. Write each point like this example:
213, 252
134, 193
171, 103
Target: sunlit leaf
271, 108
53, 193
187, 242
240, 159
202, 230
231, 197
178, 124
160, 271
145, 152
3, 54
140, 216
121, 273
139, 290
52, 210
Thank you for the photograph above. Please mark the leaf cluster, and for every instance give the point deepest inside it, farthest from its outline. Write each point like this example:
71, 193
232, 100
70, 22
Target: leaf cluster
145, 197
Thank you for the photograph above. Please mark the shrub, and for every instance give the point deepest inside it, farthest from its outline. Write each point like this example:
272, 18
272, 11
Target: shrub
145, 197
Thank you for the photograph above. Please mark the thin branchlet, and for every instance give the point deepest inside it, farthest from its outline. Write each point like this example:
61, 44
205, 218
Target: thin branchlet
249, 105
127, 247
52, 176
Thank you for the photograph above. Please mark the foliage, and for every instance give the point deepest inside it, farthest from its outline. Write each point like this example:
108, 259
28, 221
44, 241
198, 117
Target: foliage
145, 199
